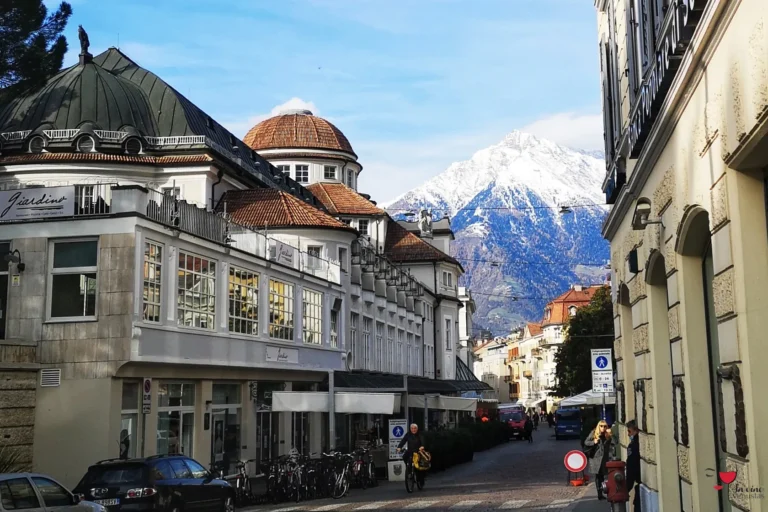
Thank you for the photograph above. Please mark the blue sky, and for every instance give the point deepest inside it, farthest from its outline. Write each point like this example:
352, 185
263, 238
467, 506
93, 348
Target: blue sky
414, 84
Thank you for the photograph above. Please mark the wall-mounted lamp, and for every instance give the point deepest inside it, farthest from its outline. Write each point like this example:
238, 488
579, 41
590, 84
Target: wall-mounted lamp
15, 257
642, 212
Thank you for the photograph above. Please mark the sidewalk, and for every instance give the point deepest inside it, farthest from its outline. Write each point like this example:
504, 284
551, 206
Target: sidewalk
589, 502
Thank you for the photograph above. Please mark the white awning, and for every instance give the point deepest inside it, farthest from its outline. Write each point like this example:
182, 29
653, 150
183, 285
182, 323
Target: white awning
299, 401
350, 403
588, 398
444, 403
367, 403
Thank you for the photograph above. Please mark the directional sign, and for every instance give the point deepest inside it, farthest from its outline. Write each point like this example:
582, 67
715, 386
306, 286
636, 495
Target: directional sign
602, 359
602, 381
397, 430
147, 396
575, 461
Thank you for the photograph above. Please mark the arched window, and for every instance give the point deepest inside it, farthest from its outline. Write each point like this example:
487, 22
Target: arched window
572, 310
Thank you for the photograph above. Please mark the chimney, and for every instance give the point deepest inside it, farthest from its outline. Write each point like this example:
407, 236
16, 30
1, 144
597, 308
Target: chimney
577, 287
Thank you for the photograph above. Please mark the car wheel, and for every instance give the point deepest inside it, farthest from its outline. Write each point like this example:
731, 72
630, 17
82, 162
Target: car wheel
229, 504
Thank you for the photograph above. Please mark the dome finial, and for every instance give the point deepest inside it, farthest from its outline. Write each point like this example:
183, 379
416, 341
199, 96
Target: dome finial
84, 45
296, 111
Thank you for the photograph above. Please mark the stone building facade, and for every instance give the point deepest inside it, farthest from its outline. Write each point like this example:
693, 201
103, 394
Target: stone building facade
685, 100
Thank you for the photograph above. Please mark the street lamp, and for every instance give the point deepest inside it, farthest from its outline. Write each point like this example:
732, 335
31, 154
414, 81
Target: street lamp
14, 256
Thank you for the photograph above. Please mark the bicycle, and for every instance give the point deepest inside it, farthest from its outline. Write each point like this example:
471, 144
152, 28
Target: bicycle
411, 479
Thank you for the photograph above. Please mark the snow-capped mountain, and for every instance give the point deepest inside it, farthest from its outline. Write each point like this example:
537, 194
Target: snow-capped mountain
518, 249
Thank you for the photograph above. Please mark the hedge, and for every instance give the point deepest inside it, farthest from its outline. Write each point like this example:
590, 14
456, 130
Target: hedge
452, 447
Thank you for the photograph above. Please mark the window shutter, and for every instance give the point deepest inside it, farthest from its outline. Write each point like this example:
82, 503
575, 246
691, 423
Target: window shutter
631, 54
646, 31
607, 128
615, 95
658, 18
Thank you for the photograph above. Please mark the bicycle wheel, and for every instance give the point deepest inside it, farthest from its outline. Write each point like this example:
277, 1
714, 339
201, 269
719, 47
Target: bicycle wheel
410, 479
363, 476
372, 474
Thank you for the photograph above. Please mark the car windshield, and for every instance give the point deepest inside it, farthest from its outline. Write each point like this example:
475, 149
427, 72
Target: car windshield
512, 416
568, 415
114, 474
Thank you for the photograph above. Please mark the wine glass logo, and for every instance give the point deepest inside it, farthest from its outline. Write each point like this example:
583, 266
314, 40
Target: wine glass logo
726, 477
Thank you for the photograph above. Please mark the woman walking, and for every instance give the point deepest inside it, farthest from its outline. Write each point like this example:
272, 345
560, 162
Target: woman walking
599, 447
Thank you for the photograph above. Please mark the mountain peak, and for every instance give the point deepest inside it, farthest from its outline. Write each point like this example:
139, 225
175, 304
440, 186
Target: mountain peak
505, 202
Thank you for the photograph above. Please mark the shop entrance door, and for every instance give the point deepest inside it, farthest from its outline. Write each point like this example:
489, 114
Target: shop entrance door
3, 303
266, 437
5, 248
217, 440
301, 432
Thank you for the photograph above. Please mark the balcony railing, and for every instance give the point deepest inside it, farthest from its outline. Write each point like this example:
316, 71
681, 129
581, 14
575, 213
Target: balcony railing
507, 378
528, 374
514, 396
101, 199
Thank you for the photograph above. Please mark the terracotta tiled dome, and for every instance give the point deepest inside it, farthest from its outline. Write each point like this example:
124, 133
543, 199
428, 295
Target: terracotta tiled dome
297, 129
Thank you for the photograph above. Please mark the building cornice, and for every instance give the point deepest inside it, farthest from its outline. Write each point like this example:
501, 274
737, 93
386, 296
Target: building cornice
716, 18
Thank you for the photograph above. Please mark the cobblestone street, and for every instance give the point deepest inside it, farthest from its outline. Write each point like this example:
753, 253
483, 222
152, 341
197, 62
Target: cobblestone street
513, 476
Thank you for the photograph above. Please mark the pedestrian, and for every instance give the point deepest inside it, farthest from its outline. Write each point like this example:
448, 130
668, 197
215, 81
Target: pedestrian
413, 444
550, 419
599, 445
528, 428
535, 421
633, 463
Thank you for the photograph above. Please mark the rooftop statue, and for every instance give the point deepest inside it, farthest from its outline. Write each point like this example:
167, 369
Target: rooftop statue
84, 42
425, 222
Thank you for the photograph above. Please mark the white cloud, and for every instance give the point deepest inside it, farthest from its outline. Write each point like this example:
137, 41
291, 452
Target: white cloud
393, 167
241, 127
579, 131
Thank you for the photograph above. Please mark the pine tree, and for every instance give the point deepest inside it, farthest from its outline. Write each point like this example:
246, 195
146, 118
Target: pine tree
591, 327
32, 46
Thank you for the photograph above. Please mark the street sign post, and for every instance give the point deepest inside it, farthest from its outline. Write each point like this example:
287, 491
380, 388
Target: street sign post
575, 461
602, 372
397, 429
146, 407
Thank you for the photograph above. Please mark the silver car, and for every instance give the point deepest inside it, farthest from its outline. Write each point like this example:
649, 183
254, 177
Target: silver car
32, 492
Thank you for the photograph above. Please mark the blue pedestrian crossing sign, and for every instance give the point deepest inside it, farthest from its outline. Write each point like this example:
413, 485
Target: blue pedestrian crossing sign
602, 359
397, 429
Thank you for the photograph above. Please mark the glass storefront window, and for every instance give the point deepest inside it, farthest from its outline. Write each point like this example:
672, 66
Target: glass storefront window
176, 394
226, 394
129, 420
175, 418
175, 431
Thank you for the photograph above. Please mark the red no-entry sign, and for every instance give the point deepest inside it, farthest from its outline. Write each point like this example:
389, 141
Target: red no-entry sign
575, 461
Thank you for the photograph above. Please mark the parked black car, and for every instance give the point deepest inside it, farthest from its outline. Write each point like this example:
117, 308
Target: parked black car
164, 483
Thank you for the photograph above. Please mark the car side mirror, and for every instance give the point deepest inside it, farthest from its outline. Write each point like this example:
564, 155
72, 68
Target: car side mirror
76, 498
208, 477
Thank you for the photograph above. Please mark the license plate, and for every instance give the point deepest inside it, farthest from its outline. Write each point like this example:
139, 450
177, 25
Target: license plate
107, 503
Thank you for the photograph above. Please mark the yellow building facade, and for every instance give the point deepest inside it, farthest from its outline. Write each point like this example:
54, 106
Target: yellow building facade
685, 101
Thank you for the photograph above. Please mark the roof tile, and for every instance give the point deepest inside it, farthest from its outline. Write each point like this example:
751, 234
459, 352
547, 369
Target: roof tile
339, 199
403, 246
572, 297
274, 209
297, 130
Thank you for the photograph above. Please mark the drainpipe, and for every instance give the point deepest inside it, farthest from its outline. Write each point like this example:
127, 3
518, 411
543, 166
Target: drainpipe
434, 322
220, 176
423, 348
342, 171
331, 411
